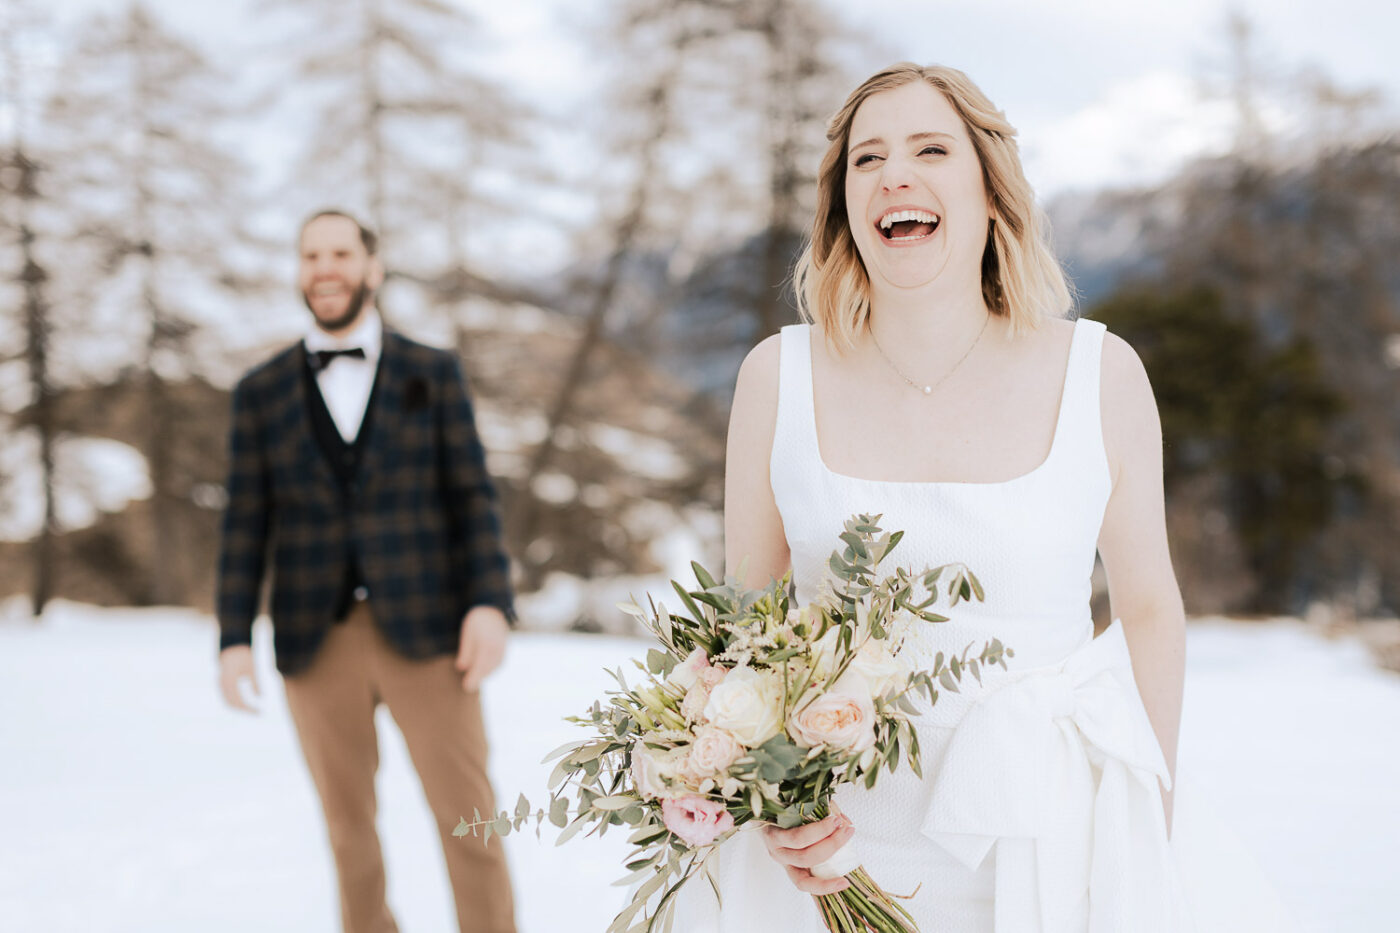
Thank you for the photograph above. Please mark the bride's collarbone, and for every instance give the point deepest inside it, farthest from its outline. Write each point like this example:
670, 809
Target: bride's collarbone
989, 428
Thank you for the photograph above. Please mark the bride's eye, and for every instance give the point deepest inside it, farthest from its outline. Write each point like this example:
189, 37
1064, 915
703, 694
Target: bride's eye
862, 160
933, 150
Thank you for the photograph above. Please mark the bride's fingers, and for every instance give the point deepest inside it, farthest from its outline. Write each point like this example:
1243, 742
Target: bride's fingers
800, 837
809, 883
818, 852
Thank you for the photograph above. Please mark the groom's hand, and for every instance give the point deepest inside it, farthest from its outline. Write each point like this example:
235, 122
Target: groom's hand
801, 847
236, 666
483, 645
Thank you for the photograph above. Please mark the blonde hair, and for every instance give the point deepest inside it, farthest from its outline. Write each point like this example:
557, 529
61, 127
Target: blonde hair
1020, 277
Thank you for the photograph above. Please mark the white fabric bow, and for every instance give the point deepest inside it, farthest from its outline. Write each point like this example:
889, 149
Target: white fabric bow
1058, 767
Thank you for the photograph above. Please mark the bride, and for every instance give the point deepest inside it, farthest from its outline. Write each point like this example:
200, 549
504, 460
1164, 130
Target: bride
939, 384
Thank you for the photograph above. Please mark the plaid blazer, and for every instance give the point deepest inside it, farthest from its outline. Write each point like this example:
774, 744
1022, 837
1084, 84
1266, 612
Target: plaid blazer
422, 512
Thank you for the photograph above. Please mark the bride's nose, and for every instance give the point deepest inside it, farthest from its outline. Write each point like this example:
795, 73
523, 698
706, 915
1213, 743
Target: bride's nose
895, 174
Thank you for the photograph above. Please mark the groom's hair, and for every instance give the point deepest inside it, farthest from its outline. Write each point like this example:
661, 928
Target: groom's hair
367, 236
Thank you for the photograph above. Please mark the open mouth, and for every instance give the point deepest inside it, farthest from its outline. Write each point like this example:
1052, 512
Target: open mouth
907, 225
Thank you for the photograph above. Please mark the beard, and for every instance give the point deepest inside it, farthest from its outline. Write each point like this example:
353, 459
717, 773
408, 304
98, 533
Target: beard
348, 316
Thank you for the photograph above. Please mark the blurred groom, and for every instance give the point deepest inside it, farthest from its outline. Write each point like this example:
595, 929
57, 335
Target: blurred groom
356, 471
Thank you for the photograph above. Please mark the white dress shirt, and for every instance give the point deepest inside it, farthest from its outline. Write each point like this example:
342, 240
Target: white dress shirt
346, 382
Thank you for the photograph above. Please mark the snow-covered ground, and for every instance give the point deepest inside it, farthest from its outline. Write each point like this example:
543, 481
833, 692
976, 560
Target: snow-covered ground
132, 800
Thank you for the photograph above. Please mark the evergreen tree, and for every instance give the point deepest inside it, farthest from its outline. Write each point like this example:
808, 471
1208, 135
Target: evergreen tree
1258, 417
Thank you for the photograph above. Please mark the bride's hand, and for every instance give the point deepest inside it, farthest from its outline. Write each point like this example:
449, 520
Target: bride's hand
801, 847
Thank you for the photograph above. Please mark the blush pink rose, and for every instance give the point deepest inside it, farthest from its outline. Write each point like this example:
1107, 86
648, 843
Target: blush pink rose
687, 672
698, 821
693, 706
711, 754
710, 677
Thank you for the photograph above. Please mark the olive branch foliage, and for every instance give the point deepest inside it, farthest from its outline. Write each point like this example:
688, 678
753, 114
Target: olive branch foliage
780, 782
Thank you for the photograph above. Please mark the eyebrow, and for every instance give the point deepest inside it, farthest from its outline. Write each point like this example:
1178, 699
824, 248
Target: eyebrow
914, 138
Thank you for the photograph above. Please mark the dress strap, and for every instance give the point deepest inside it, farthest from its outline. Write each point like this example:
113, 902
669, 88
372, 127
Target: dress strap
796, 430
1079, 431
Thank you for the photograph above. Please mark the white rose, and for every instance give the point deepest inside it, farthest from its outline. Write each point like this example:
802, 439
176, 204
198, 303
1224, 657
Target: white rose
687, 672
711, 754
841, 717
748, 704
881, 668
650, 767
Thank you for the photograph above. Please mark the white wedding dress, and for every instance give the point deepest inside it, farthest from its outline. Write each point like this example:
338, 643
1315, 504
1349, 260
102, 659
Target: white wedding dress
1039, 810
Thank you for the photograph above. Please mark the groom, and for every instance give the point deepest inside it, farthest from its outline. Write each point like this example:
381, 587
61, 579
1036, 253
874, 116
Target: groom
355, 465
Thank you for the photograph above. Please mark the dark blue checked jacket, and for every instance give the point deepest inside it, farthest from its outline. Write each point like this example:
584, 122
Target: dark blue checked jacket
422, 513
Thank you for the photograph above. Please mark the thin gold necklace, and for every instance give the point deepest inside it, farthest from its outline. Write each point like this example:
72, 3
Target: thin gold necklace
928, 389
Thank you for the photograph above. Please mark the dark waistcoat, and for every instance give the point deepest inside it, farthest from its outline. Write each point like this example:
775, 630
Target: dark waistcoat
344, 460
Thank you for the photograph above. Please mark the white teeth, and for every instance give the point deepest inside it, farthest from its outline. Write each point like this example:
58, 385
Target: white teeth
894, 217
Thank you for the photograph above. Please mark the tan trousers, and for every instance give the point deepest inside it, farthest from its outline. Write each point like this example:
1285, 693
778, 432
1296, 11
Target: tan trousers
332, 704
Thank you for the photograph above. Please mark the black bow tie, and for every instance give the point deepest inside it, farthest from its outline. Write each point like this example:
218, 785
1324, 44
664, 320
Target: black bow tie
320, 359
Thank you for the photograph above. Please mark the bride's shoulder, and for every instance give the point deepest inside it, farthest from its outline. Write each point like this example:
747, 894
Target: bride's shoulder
757, 383
1123, 372
1132, 428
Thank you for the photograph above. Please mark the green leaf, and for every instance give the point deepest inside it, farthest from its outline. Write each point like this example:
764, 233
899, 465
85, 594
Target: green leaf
660, 663
789, 818
856, 544
559, 812
702, 576
776, 758
648, 834
571, 830
615, 802
689, 603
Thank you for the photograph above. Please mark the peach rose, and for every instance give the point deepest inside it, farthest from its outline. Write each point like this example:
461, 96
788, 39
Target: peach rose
842, 717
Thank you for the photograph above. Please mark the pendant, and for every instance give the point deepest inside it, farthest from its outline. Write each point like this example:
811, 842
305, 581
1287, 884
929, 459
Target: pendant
928, 390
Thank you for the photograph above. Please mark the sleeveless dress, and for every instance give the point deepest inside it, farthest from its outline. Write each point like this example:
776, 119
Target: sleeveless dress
1040, 809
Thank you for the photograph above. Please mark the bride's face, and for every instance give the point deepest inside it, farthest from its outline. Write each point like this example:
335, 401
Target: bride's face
914, 193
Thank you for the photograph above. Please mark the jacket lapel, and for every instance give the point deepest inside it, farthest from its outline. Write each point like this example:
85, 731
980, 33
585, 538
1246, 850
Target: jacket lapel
309, 455
388, 403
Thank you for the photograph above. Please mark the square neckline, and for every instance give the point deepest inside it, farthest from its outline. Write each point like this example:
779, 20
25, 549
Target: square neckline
1054, 441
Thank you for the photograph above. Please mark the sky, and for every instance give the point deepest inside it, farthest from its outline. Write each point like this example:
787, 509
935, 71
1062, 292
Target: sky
1102, 92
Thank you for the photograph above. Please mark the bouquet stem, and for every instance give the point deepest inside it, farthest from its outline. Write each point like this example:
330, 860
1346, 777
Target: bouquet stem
864, 907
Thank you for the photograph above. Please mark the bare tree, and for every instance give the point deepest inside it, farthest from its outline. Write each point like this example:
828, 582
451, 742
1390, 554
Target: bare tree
148, 187
659, 36
398, 126
20, 176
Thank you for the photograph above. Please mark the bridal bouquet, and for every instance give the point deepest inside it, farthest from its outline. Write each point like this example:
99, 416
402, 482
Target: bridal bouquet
753, 708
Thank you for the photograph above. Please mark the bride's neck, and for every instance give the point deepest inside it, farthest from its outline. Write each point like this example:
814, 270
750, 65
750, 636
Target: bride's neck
927, 322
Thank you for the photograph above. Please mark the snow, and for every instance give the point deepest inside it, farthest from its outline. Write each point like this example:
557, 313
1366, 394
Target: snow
132, 800
92, 475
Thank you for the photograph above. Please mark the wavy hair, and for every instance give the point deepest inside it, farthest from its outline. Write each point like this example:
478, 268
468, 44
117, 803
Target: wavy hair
1021, 278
